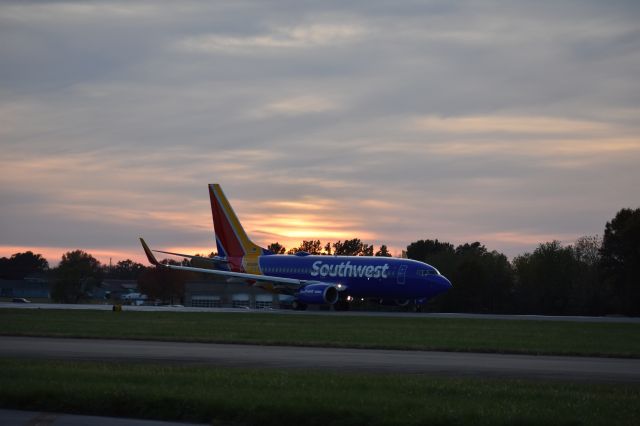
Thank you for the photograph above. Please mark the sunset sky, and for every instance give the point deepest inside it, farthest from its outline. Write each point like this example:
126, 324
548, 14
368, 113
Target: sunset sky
509, 123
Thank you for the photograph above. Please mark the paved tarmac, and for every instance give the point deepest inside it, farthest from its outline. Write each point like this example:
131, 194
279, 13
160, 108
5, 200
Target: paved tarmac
34, 418
589, 369
630, 320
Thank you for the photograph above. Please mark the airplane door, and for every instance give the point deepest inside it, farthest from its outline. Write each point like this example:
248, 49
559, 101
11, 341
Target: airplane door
402, 270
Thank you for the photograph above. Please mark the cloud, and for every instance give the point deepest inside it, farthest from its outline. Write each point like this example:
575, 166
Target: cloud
460, 121
509, 124
67, 11
278, 38
298, 105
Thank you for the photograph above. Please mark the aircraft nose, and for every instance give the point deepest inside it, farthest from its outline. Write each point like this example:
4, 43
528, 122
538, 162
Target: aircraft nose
442, 283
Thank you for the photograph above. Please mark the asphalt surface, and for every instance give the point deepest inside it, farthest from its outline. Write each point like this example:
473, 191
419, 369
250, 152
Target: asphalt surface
630, 320
588, 369
34, 418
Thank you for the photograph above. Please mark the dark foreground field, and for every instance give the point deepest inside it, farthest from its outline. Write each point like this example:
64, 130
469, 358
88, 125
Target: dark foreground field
271, 397
472, 335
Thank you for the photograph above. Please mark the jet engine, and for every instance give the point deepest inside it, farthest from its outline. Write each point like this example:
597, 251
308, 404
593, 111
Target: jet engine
315, 294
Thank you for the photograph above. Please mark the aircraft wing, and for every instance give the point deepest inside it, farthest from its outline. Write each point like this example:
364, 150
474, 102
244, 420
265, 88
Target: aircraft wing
291, 283
213, 260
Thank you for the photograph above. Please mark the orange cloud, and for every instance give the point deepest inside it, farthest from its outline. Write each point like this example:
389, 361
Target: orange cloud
508, 124
542, 148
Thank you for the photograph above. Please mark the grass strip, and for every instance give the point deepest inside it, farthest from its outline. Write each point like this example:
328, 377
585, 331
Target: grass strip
271, 397
464, 335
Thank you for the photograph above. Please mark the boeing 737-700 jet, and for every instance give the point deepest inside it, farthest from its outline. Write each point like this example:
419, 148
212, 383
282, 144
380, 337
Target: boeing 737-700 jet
310, 279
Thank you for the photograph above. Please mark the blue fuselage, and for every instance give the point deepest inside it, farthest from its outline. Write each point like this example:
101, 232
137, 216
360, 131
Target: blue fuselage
362, 276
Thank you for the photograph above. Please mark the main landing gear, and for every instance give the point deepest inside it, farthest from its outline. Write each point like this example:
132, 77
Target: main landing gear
298, 306
341, 305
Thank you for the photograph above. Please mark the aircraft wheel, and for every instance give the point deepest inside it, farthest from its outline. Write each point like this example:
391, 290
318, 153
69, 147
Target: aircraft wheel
417, 308
298, 306
341, 306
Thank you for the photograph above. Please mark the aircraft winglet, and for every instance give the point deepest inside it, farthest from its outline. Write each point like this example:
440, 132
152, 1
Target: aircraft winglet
147, 251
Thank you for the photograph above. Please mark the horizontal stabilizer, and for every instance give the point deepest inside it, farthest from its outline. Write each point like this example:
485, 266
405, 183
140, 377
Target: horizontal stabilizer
290, 282
215, 259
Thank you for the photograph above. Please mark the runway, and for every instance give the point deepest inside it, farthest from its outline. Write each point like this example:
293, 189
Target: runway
588, 369
629, 320
36, 418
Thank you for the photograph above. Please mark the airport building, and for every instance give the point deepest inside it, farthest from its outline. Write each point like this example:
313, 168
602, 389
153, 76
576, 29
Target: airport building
212, 293
219, 293
35, 286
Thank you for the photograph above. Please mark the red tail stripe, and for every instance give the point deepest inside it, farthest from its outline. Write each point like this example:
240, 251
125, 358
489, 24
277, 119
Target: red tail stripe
224, 231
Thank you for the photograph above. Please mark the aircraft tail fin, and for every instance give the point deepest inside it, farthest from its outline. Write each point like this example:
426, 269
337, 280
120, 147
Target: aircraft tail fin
231, 239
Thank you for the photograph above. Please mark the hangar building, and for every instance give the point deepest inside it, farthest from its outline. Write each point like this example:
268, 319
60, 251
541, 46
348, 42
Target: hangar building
220, 293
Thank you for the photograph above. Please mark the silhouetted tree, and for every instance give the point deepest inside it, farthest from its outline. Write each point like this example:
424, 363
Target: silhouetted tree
163, 284
276, 248
620, 262
434, 252
127, 270
383, 251
482, 280
353, 247
311, 247
546, 279
20, 265
587, 249
424, 249
588, 296
75, 277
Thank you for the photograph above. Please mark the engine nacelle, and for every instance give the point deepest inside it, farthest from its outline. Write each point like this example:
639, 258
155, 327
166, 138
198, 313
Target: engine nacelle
316, 294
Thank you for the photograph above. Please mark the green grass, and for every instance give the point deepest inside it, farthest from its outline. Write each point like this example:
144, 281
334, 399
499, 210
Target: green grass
527, 337
272, 397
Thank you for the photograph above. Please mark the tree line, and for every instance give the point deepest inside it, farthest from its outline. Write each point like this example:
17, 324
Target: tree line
353, 247
593, 276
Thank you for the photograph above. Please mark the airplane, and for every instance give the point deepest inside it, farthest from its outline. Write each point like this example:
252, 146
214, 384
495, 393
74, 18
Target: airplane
309, 279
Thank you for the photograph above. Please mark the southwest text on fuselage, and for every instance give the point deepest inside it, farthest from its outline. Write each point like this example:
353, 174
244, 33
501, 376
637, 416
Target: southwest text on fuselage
346, 269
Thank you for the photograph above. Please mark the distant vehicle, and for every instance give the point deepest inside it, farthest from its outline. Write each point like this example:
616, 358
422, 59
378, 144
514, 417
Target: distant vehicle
134, 298
309, 279
20, 300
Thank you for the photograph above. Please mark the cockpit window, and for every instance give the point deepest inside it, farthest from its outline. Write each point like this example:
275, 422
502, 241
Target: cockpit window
425, 272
